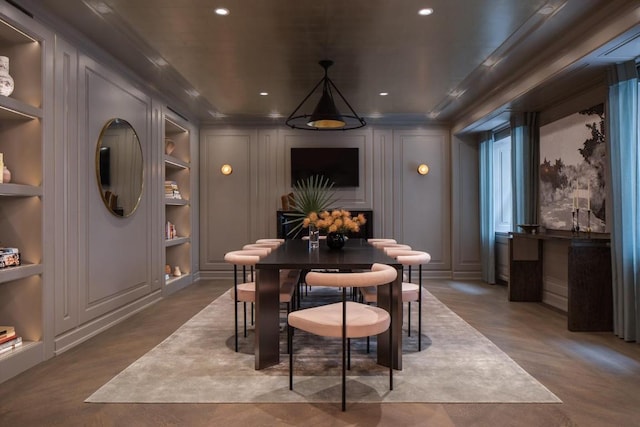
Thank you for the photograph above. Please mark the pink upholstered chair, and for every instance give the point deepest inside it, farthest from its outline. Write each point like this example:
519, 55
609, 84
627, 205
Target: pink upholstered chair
244, 286
410, 291
346, 319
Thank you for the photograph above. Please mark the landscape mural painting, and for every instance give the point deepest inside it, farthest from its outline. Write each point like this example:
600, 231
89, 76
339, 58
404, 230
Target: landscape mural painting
572, 172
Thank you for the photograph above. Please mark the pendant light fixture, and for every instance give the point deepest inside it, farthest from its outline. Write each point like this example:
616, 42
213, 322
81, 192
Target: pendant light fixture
326, 115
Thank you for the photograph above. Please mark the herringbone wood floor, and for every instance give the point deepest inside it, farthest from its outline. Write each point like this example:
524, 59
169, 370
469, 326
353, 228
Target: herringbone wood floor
596, 375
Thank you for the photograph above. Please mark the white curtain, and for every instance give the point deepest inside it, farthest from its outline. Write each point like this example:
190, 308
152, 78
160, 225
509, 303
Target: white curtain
624, 161
487, 216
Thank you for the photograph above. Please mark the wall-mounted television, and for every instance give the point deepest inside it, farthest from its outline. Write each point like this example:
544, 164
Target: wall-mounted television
340, 165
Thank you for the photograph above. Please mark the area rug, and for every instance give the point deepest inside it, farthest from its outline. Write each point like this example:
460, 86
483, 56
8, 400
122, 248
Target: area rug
197, 364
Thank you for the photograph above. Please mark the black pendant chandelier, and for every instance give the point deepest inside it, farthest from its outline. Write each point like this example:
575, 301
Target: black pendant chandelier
326, 115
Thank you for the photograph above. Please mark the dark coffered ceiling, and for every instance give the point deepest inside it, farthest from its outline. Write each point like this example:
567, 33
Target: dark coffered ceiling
436, 68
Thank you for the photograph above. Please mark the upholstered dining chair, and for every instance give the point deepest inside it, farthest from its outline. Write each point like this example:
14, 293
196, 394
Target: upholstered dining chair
410, 291
270, 240
244, 288
375, 241
346, 319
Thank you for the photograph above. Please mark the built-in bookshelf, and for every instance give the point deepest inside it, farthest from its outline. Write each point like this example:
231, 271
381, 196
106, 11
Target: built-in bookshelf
21, 199
177, 202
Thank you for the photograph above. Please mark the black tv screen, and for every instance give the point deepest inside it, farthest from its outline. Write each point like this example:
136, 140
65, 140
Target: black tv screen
340, 165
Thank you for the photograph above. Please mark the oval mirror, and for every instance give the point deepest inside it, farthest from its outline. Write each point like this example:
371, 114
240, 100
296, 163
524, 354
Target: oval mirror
119, 167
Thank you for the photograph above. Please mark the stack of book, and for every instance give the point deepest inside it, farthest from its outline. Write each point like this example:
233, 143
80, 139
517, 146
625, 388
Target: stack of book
8, 339
171, 190
170, 232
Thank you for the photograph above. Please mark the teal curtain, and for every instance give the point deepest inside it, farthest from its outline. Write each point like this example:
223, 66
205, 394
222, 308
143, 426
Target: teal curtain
525, 160
487, 216
624, 161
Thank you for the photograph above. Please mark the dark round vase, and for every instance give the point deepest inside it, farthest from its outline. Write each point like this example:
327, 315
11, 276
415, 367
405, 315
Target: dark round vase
335, 240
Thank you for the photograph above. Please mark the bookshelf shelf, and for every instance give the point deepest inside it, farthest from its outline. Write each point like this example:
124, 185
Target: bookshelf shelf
22, 201
177, 212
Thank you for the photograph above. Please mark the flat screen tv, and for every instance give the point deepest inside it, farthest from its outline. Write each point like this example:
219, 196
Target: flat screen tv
340, 165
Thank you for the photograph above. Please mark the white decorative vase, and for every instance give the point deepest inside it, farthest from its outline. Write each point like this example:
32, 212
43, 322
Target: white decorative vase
6, 81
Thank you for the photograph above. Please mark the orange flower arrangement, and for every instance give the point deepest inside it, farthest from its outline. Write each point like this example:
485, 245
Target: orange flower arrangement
336, 221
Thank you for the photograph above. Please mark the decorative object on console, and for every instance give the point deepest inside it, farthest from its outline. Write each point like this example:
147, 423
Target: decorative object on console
177, 272
9, 257
6, 81
529, 228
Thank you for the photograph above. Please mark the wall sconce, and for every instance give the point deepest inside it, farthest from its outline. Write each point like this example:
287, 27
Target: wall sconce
226, 169
423, 169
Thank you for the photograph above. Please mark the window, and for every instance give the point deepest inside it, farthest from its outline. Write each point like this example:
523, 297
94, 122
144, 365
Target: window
502, 207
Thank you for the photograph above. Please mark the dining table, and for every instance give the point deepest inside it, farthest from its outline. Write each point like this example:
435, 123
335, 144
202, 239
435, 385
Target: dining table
357, 254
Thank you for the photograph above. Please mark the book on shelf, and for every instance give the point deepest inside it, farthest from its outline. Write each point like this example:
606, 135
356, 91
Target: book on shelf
171, 190
5, 338
7, 330
170, 231
11, 344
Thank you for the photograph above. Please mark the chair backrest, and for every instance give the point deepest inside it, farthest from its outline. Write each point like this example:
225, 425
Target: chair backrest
265, 244
280, 241
380, 274
410, 257
383, 244
258, 246
244, 257
393, 247
378, 240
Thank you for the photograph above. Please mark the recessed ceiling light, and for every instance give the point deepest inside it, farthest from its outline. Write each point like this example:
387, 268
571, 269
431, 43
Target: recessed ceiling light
264, 93
275, 115
433, 114
384, 93
222, 11
426, 11
192, 92
217, 114
160, 62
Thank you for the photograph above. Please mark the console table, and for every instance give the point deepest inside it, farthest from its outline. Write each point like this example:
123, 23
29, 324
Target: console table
590, 295
366, 231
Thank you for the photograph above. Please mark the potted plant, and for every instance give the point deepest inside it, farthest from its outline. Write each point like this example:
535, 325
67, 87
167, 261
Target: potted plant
314, 194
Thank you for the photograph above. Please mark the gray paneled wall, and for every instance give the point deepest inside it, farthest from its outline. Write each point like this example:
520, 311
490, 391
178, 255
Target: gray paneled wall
422, 211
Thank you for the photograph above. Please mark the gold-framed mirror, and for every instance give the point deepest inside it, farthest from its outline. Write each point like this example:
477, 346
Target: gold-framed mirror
119, 167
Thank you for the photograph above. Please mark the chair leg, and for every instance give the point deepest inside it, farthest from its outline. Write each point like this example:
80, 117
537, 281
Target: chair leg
235, 305
348, 354
244, 304
420, 308
390, 342
290, 345
344, 349
409, 318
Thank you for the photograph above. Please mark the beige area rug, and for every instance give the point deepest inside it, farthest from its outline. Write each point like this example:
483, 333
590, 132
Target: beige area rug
197, 364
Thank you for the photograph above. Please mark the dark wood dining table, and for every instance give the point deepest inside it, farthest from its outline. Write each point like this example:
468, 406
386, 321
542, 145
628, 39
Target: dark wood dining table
357, 254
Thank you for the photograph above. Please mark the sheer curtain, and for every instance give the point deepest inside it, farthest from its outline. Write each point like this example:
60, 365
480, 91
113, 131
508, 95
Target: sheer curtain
487, 217
525, 159
624, 162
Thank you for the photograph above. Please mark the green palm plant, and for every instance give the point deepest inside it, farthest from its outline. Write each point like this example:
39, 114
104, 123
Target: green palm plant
314, 194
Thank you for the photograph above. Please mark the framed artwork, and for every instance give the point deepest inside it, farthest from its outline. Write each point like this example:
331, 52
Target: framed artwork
572, 172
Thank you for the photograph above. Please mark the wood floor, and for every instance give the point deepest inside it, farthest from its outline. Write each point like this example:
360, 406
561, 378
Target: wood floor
596, 375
